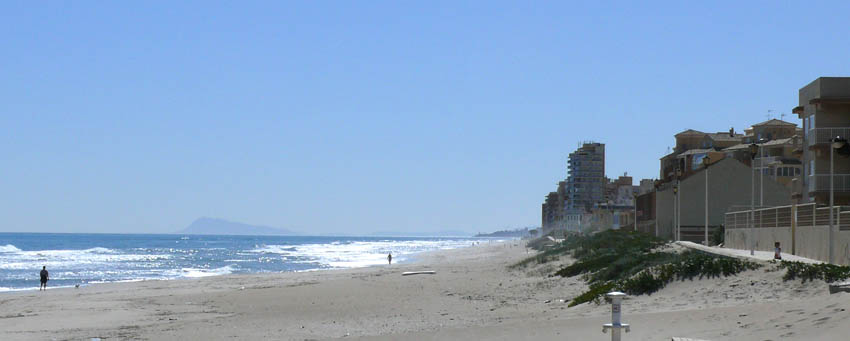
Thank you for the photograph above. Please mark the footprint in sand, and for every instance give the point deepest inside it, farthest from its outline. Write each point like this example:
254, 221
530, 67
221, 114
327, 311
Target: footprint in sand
821, 320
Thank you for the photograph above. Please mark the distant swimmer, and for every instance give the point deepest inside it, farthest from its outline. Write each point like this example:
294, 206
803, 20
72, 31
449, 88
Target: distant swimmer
44, 277
390, 258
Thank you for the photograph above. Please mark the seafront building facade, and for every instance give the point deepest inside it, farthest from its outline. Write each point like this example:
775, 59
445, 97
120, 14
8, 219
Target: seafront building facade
785, 171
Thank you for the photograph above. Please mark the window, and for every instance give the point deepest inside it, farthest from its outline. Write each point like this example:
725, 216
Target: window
796, 171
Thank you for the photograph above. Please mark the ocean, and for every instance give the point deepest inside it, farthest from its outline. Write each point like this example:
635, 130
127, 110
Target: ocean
82, 259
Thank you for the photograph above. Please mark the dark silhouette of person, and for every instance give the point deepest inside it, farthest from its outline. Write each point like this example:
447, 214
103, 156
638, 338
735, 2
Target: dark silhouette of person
390, 258
44, 277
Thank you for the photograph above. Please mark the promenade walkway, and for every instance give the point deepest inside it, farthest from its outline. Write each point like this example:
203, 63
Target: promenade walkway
745, 254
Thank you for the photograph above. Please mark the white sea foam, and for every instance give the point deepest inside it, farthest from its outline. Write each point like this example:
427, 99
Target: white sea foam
9, 248
197, 273
353, 254
158, 261
12, 258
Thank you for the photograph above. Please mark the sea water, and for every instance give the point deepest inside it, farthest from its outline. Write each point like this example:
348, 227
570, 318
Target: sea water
82, 259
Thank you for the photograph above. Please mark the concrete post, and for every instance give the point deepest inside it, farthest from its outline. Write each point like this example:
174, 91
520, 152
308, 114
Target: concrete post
678, 212
831, 202
706, 204
656, 212
615, 325
794, 229
752, 208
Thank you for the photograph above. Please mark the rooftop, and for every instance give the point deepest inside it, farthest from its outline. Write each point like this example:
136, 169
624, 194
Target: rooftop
738, 147
777, 142
774, 122
696, 151
690, 132
725, 136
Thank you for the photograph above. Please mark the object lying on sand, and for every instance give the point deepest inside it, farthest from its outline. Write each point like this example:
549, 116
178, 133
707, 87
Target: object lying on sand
408, 273
838, 287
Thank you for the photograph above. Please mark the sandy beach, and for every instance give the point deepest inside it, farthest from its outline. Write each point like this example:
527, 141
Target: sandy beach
472, 294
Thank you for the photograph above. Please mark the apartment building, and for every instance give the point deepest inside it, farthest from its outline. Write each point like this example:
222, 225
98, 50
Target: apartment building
691, 147
586, 180
824, 107
620, 192
549, 212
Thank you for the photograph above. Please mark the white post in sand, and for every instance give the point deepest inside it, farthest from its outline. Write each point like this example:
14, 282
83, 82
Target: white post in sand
615, 325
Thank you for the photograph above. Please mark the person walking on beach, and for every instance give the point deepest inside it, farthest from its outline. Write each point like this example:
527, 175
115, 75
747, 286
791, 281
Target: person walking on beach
390, 258
44, 277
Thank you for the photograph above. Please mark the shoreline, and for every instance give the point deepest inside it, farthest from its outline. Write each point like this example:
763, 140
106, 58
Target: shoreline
472, 294
410, 258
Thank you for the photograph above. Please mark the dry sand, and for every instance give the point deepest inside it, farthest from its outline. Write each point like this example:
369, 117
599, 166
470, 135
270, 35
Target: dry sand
472, 296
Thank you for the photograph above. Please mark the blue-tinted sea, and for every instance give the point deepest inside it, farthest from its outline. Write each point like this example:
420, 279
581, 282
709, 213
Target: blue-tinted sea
83, 259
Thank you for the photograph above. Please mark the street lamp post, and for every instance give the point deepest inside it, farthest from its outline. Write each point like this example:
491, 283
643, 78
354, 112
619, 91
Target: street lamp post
678, 212
753, 150
634, 202
761, 172
705, 162
675, 194
837, 143
654, 204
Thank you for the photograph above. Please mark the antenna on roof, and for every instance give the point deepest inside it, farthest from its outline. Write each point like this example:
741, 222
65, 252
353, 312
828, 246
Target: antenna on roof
768, 113
781, 116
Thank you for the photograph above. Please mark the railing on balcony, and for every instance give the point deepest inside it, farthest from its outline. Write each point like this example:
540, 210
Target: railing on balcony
825, 135
820, 182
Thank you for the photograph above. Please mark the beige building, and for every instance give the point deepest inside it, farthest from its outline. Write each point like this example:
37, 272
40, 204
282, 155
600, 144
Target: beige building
824, 107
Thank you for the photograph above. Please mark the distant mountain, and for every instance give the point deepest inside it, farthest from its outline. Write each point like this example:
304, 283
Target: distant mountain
206, 225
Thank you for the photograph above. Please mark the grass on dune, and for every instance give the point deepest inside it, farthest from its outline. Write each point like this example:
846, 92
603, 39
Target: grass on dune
632, 262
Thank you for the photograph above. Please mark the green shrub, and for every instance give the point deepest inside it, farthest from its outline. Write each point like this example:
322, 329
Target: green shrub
628, 261
809, 272
648, 279
595, 292
718, 236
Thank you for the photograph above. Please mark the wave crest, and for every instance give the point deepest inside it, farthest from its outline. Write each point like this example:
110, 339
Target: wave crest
9, 248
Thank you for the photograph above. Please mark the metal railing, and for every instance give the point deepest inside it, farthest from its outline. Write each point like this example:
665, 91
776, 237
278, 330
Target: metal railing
808, 215
820, 182
825, 135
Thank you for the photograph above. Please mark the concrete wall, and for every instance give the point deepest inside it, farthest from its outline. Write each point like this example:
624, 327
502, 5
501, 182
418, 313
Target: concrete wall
729, 185
664, 209
810, 242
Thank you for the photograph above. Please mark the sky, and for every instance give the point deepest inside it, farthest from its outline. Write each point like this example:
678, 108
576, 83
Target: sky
352, 117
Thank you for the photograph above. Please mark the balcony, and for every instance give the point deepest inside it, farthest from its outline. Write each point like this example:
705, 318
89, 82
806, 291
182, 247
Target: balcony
820, 183
817, 136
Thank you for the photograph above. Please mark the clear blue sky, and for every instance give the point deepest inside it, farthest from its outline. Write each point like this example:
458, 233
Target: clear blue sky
340, 116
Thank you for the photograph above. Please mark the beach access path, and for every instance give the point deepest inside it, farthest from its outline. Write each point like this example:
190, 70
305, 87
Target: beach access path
472, 295
745, 254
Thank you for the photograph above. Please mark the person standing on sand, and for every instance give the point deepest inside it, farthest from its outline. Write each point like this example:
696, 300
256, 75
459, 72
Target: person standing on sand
390, 258
44, 277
